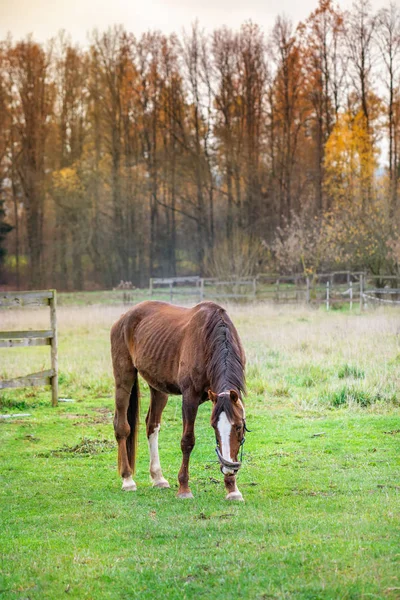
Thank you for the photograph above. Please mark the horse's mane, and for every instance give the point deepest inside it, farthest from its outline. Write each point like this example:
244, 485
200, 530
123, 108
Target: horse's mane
224, 360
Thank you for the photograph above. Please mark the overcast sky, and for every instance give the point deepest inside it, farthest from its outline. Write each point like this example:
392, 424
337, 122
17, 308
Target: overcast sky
44, 18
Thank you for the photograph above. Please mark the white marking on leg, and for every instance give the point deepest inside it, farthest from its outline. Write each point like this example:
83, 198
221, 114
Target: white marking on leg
224, 428
155, 466
234, 495
128, 485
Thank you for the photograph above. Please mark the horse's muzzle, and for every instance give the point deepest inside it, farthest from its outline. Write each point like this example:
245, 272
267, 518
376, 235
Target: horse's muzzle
227, 464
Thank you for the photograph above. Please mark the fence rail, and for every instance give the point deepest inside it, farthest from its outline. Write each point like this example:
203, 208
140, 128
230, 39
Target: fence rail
47, 337
9, 299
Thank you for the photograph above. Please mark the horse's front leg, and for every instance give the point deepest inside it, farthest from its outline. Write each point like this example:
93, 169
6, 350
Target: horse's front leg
153, 423
231, 488
190, 406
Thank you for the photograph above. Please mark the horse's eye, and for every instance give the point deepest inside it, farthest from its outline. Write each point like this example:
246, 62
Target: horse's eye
238, 428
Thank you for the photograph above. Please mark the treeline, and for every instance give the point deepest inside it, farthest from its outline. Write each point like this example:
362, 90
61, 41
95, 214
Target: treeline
237, 150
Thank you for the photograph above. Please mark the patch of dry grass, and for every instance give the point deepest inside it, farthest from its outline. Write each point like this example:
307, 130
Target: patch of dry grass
295, 355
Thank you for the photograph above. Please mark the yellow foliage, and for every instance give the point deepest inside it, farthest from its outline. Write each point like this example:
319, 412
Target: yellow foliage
350, 160
362, 237
67, 181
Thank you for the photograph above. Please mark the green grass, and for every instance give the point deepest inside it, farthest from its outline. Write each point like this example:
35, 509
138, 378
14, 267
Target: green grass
321, 476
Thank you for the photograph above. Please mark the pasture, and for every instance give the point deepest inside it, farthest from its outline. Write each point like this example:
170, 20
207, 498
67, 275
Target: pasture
321, 473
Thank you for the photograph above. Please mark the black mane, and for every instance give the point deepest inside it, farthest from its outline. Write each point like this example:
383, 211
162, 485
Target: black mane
225, 360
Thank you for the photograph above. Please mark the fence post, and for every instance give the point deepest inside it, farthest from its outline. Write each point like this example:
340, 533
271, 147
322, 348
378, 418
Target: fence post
151, 286
54, 357
308, 290
170, 291
202, 289
351, 295
361, 291
327, 295
254, 287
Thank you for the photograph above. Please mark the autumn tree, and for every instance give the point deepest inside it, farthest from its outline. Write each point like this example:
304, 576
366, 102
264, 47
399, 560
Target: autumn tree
70, 130
289, 114
164, 155
5, 141
33, 98
111, 55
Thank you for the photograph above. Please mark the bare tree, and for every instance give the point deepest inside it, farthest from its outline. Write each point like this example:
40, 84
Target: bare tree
194, 134
324, 71
360, 26
388, 39
227, 128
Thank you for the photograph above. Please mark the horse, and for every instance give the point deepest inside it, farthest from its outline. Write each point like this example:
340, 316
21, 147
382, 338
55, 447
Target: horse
194, 352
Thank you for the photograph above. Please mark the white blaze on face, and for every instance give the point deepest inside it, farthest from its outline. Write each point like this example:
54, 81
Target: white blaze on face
224, 429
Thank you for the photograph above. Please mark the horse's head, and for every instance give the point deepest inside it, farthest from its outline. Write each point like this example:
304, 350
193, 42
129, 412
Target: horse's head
229, 422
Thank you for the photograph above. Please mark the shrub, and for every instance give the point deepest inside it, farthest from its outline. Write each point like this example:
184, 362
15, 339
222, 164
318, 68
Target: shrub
350, 371
347, 395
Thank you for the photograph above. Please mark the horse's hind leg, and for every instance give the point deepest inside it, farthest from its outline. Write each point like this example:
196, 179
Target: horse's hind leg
153, 423
125, 379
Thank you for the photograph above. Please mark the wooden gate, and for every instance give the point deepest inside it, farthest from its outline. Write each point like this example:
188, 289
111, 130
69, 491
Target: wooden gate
48, 337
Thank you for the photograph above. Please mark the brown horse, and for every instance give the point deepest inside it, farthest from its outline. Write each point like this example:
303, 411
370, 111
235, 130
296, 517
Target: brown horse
195, 352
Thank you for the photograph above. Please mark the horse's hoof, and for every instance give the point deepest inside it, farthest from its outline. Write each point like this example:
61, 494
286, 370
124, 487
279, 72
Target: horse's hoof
185, 495
128, 485
162, 483
235, 496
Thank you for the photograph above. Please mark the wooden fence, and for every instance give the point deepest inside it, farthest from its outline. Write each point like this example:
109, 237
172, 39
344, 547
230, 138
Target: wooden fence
322, 288
48, 337
279, 289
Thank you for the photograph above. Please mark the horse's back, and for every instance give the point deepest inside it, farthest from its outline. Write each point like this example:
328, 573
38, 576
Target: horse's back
167, 342
151, 312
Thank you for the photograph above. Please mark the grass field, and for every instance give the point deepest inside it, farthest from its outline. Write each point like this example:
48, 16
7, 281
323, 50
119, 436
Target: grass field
321, 474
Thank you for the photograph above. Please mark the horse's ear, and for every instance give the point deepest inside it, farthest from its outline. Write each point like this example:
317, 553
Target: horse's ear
234, 395
213, 397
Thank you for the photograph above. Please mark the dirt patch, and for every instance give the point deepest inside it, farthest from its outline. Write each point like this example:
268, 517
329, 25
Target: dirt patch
86, 446
71, 416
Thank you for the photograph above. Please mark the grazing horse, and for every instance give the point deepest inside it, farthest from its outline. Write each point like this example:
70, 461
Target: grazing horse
195, 352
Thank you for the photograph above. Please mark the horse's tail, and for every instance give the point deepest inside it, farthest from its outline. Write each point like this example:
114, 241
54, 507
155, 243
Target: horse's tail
133, 420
